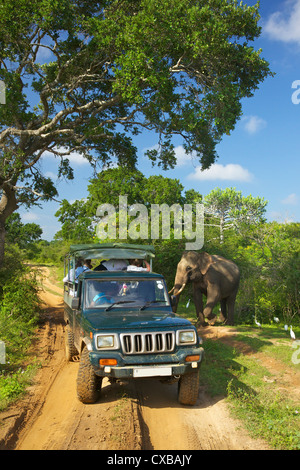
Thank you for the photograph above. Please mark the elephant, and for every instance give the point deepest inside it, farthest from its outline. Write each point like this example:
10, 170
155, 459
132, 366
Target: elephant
212, 275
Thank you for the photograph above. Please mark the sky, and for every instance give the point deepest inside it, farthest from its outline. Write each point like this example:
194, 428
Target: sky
260, 157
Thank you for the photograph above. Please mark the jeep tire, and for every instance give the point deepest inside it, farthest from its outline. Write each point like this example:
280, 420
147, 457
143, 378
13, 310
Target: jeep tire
70, 349
188, 388
88, 383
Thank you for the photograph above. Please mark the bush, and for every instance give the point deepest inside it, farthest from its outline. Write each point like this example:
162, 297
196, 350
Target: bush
18, 314
19, 307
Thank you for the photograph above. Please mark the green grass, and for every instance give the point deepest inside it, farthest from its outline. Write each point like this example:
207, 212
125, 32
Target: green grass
251, 390
13, 385
273, 340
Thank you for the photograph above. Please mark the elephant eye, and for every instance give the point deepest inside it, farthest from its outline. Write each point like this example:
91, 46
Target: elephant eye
188, 268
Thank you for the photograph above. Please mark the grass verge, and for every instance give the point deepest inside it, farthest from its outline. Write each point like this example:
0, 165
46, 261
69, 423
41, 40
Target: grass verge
267, 411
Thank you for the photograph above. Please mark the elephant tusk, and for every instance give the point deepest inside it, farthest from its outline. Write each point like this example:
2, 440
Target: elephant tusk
170, 291
180, 290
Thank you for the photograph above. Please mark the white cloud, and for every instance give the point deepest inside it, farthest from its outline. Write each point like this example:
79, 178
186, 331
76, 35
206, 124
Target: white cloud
292, 200
182, 157
75, 157
285, 25
29, 216
44, 55
50, 174
230, 172
254, 124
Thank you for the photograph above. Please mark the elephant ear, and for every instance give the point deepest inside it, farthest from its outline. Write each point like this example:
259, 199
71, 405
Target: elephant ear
205, 262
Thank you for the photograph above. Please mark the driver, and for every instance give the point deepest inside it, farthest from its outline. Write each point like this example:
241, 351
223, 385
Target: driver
108, 291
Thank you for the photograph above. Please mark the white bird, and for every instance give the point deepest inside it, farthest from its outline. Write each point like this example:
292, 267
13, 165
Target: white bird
276, 319
286, 327
257, 323
293, 336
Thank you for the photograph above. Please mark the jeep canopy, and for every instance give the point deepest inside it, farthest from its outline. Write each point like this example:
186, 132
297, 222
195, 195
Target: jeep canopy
112, 251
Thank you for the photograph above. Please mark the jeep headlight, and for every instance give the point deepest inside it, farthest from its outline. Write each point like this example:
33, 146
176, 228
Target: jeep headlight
106, 342
186, 337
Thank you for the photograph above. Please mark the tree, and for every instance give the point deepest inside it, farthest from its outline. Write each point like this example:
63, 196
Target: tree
88, 75
79, 218
269, 260
229, 209
24, 235
76, 223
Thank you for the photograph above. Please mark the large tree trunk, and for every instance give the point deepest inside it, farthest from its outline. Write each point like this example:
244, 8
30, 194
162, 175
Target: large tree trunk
8, 205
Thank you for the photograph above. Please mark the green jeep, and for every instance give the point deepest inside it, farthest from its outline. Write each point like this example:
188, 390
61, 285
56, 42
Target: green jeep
122, 326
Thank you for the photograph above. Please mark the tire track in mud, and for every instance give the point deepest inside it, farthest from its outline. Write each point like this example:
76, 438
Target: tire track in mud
206, 426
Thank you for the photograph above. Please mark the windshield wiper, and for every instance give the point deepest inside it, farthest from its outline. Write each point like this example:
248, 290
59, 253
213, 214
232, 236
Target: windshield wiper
119, 302
147, 304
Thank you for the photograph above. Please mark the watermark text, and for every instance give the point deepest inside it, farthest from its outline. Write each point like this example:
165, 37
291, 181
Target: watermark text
160, 221
2, 92
2, 352
296, 354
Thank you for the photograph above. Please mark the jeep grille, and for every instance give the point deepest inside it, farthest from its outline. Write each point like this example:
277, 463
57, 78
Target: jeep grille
145, 343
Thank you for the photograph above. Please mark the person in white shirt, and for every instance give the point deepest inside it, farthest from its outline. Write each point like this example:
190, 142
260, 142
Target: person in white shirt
115, 264
136, 265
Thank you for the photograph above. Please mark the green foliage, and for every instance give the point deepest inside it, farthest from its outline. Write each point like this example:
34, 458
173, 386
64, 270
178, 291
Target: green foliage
12, 385
51, 252
79, 219
18, 315
19, 307
269, 258
227, 208
23, 235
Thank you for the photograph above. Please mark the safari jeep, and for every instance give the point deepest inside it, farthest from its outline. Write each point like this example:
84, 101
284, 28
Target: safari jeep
121, 325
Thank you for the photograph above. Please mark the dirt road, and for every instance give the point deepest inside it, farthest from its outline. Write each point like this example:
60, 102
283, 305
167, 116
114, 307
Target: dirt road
140, 415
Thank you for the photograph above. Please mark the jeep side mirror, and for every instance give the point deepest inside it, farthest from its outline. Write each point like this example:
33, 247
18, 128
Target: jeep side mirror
75, 303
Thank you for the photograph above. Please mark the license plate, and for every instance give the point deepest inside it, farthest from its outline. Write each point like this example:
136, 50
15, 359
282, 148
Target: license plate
152, 372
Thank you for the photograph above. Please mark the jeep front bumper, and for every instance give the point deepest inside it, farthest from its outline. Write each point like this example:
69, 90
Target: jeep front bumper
163, 365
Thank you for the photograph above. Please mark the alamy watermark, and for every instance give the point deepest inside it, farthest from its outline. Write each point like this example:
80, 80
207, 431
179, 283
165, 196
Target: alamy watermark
187, 222
2, 92
2, 352
296, 354
296, 94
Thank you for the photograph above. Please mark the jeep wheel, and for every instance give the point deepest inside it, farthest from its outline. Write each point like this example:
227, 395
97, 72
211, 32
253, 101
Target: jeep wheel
70, 349
188, 388
88, 383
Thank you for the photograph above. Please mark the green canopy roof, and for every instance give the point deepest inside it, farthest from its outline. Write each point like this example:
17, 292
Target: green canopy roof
112, 251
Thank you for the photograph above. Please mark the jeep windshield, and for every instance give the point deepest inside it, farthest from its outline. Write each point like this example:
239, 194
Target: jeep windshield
113, 294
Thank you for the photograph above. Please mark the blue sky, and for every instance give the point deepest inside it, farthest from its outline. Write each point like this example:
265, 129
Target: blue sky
260, 157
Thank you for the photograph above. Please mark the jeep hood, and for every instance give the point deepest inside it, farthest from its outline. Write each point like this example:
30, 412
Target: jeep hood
113, 320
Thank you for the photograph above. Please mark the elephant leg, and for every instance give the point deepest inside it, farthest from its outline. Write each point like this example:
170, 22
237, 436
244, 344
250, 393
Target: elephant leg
198, 301
223, 315
230, 305
213, 297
